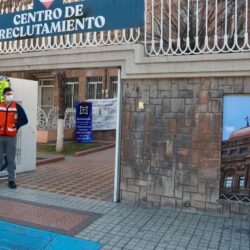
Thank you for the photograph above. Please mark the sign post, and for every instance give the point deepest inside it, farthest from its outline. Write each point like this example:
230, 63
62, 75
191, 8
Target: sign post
84, 122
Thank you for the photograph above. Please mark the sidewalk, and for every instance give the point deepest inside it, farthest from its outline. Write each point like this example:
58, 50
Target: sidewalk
121, 226
115, 226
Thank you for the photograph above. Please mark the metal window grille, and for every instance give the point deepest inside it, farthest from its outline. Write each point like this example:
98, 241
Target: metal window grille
114, 83
71, 92
94, 87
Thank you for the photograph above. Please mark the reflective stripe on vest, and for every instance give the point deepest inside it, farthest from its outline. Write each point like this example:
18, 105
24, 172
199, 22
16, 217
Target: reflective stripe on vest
9, 109
8, 119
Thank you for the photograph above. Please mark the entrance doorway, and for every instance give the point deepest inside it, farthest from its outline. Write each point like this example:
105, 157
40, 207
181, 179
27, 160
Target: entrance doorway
91, 175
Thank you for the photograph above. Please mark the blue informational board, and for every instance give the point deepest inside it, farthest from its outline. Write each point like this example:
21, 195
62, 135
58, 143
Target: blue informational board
53, 17
84, 122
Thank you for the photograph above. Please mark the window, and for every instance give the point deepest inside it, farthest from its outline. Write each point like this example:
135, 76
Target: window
242, 182
233, 151
228, 182
224, 152
94, 87
114, 84
71, 92
46, 94
47, 83
243, 150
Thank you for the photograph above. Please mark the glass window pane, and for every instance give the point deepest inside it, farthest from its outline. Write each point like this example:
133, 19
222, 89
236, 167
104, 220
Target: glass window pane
71, 91
114, 81
94, 87
228, 182
68, 96
91, 91
242, 181
99, 91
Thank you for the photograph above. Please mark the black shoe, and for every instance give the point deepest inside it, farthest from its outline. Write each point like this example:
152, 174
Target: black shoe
12, 184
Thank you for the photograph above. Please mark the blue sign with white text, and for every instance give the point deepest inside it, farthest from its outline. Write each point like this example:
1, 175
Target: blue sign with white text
84, 122
53, 17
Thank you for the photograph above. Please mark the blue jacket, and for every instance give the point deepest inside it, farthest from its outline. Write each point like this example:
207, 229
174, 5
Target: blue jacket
22, 117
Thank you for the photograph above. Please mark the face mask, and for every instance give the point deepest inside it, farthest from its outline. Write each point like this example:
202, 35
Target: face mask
9, 98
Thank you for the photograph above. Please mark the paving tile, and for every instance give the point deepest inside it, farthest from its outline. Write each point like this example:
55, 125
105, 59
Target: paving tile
8, 209
119, 226
59, 220
90, 176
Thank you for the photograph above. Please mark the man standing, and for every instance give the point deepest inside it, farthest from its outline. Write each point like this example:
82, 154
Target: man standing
12, 117
4, 83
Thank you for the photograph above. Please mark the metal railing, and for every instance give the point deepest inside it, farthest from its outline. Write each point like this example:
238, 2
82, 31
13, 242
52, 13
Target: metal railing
235, 198
172, 27
181, 27
48, 120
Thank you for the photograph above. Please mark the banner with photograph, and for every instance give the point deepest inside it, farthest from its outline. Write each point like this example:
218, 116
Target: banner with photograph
235, 149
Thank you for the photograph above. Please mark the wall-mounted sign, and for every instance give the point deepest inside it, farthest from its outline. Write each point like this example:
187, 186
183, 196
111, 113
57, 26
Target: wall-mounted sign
104, 114
84, 122
53, 17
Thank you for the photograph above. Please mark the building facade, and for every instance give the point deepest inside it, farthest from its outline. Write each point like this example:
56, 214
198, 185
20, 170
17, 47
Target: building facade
172, 95
235, 166
175, 157
81, 85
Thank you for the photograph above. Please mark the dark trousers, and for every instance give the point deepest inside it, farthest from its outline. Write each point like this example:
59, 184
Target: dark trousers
8, 145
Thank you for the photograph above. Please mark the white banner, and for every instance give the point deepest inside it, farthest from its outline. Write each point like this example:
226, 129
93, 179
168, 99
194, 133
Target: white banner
104, 113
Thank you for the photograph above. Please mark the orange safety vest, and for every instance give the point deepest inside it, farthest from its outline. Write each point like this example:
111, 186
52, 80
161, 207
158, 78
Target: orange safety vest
8, 119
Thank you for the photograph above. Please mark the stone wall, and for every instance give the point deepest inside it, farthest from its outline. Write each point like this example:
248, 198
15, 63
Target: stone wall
171, 148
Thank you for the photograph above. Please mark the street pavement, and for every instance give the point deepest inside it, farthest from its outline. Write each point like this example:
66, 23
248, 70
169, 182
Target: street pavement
119, 226
123, 226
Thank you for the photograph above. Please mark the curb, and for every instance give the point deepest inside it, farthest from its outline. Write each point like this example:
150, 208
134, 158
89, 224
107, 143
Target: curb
50, 160
94, 150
